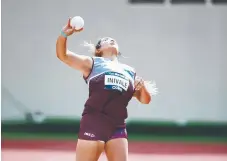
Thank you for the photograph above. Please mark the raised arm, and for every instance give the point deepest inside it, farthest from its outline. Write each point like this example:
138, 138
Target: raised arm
141, 92
79, 62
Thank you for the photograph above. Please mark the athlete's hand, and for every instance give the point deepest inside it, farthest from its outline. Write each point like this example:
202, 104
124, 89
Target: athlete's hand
139, 83
68, 30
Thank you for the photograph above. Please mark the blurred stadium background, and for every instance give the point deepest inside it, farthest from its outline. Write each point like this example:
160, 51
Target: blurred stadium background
181, 44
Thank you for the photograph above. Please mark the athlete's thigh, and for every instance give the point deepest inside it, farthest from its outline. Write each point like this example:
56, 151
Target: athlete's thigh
117, 149
88, 150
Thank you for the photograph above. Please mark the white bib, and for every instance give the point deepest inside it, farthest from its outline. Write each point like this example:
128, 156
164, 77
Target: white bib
116, 81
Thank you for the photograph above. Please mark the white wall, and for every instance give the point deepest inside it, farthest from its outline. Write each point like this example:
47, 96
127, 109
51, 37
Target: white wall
183, 48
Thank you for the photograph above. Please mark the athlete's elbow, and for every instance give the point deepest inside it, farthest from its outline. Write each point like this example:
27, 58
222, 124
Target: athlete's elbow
146, 100
60, 56
60, 53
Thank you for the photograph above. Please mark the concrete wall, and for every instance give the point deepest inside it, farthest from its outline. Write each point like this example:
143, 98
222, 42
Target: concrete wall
182, 48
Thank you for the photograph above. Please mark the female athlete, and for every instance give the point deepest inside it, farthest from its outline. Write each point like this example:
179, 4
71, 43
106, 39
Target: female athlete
111, 86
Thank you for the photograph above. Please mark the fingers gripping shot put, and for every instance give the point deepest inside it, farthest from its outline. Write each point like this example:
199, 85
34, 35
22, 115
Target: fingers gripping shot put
111, 86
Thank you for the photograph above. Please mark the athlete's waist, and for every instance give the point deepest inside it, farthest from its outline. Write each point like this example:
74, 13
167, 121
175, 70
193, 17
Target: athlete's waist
118, 121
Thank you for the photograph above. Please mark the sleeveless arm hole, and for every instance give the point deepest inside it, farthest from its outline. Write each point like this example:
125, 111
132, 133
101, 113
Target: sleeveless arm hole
86, 77
134, 83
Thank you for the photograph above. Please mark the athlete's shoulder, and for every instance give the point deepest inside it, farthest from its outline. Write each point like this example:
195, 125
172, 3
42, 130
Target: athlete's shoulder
128, 67
98, 60
130, 70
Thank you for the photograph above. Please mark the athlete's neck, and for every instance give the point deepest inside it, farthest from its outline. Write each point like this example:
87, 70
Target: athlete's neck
110, 55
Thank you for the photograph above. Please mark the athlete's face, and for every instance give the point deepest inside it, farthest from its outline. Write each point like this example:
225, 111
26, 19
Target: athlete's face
107, 45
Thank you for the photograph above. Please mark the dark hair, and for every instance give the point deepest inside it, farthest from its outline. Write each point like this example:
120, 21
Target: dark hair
98, 45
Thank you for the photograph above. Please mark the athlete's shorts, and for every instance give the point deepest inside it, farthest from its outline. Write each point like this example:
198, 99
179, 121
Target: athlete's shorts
100, 127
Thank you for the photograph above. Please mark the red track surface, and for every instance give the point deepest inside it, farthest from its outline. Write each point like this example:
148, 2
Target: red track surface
52, 155
134, 147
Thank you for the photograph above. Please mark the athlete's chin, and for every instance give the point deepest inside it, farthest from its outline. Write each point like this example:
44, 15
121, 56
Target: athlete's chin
110, 48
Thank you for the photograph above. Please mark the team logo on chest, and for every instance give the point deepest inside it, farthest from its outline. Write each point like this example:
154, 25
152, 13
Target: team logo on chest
116, 81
